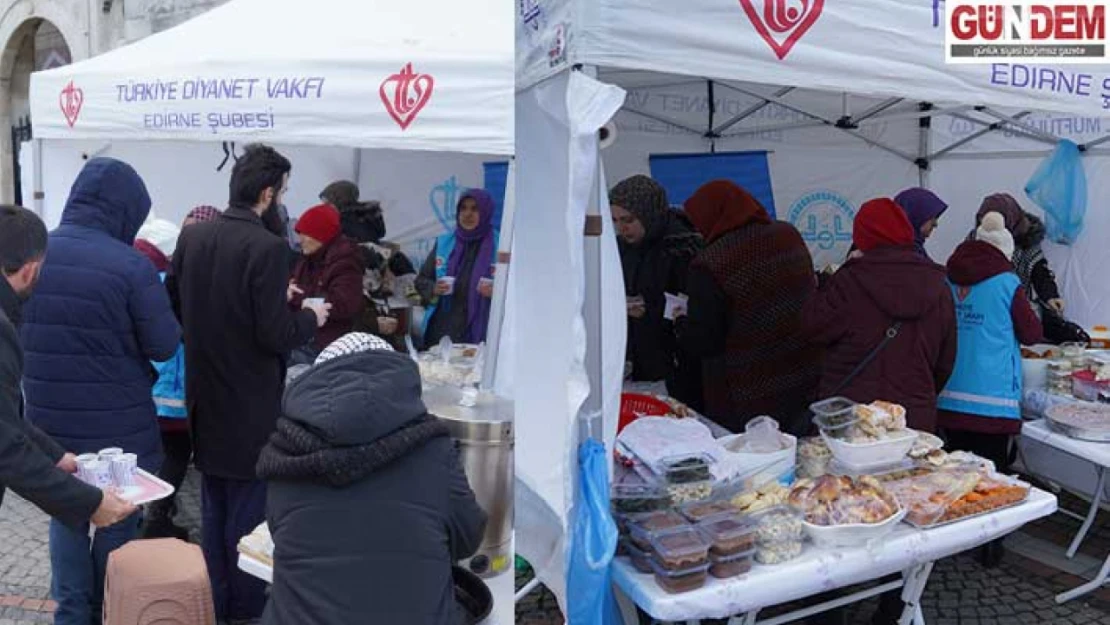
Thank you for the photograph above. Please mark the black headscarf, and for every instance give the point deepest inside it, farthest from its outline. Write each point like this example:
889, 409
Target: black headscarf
666, 231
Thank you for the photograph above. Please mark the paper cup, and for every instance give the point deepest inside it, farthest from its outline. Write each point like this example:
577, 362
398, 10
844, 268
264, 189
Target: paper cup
84, 473
109, 453
100, 474
123, 469
450, 282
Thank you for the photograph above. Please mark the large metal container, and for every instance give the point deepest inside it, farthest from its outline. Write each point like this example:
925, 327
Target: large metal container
483, 427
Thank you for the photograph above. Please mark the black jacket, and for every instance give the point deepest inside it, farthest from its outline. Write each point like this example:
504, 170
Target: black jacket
230, 278
367, 527
27, 455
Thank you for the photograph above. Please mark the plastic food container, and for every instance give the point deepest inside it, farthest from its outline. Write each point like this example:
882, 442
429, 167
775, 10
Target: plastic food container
854, 534
835, 428
778, 552
698, 511
638, 498
680, 549
1086, 387
686, 469
875, 454
643, 527
729, 534
691, 491
685, 580
813, 457
835, 410
724, 567
777, 524
641, 560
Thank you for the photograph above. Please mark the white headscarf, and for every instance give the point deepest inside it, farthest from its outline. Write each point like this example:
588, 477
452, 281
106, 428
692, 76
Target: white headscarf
352, 343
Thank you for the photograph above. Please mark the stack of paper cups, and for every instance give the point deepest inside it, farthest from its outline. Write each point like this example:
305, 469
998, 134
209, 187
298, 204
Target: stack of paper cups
123, 469
109, 453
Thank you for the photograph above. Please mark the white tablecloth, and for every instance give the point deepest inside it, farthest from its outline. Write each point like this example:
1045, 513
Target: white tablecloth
1097, 453
501, 587
820, 570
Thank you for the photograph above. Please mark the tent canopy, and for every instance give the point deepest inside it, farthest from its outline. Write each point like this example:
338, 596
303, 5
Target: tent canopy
893, 48
354, 73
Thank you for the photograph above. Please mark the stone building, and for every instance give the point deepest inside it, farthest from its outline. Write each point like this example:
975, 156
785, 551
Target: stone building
42, 34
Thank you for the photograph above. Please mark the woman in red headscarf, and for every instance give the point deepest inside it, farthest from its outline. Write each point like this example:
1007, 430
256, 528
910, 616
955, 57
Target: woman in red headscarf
889, 288
746, 290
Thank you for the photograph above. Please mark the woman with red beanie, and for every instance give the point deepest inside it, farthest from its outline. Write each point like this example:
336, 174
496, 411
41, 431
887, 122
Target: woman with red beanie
887, 290
746, 291
330, 268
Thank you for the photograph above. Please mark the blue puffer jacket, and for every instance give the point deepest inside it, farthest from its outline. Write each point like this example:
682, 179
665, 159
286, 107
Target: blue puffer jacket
99, 315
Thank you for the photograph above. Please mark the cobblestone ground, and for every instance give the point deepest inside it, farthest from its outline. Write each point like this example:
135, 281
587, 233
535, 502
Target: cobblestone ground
960, 591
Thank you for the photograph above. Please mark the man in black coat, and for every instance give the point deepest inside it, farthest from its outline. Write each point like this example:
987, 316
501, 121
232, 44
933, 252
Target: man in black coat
31, 463
232, 280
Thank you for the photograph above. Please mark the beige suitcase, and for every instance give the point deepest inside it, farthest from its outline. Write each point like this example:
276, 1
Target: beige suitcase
157, 582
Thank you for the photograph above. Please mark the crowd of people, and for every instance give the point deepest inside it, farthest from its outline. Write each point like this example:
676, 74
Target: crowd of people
760, 333
183, 355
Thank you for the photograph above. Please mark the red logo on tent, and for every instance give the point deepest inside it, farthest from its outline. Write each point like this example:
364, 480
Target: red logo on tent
405, 94
781, 26
71, 100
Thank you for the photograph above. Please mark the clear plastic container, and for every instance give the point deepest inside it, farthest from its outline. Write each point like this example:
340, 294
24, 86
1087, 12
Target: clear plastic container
690, 491
778, 552
676, 582
777, 524
724, 567
813, 457
729, 534
698, 511
1086, 387
641, 560
835, 410
686, 469
639, 497
835, 428
643, 527
680, 549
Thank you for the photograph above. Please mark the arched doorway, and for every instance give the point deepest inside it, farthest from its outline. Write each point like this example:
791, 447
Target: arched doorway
36, 44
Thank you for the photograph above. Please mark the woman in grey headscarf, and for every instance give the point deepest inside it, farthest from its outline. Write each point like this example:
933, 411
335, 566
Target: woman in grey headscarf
656, 247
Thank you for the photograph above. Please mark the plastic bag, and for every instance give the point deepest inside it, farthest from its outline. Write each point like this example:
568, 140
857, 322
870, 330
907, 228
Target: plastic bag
762, 436
593, 543
1059, 186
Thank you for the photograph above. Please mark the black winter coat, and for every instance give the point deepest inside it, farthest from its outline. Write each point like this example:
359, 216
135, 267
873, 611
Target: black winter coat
230, 278
27, 455
366, 529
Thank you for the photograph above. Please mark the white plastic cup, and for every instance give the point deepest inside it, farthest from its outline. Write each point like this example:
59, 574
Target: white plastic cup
449, 281
124, 467
313, 302
109, 453
84, 473
100, 472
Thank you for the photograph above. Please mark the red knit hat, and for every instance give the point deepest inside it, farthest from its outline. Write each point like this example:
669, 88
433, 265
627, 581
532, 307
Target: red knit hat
881, 223
320, 222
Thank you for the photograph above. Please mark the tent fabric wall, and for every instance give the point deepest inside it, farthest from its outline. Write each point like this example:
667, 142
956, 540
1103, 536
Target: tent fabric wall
348, 72
557, 123
869, 47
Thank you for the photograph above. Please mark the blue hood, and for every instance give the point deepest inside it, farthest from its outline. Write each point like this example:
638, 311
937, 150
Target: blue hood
108, 196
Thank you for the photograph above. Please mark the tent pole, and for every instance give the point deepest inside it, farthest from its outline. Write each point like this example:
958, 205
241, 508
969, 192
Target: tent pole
878, 108
1017, 128
924, 137
662, 120
39, 196
501, 284
1048, 137
1099, 141
751, 110
972, 137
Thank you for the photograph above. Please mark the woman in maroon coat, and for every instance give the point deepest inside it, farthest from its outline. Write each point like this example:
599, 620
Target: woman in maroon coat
330, 268
887, 282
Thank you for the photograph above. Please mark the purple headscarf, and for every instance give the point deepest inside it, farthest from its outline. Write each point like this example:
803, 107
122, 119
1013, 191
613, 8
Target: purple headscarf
477, 306
921, 206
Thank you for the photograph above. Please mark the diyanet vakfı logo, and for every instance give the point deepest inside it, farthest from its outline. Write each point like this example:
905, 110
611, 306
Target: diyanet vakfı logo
1043, 31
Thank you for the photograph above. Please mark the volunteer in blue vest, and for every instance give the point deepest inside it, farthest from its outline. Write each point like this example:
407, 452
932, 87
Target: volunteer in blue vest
456, 281
980, 409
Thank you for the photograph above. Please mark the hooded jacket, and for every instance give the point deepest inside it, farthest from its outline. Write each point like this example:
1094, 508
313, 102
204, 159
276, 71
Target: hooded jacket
99, 316
973, 264
335, 274
366, 527
852, 312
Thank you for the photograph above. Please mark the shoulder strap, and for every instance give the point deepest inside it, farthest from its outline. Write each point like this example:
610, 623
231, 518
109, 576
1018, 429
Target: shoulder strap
891, 332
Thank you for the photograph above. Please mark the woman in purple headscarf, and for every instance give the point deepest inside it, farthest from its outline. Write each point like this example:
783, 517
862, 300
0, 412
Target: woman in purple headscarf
456, 281
924, 209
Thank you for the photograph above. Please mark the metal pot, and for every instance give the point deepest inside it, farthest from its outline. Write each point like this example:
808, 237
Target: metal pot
484, 432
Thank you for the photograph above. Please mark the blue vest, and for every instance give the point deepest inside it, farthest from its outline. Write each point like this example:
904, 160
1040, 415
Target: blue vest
169, 390
445, 244
987, 378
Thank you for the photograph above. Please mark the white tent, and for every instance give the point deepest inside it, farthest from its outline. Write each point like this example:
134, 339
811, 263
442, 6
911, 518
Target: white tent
346, 88
854, 95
